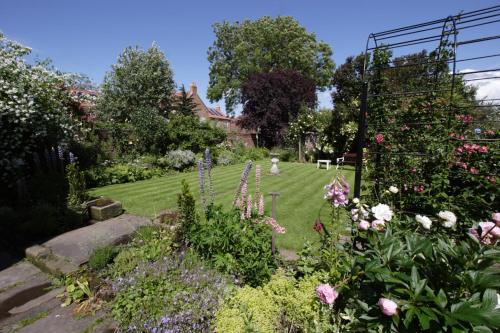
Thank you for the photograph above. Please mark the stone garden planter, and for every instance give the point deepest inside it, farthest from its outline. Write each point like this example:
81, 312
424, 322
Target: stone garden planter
103, 208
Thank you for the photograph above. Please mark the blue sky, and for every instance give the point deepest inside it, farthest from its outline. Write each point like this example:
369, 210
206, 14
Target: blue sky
87, 36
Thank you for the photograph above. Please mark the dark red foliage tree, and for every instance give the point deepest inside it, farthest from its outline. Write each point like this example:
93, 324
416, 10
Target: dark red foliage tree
272, 100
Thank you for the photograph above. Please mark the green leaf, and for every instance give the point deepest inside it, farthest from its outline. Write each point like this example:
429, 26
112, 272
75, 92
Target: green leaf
440, 299
414, 277
363, 305
424, 320
420, 286
409, 316
490, 299
481, 329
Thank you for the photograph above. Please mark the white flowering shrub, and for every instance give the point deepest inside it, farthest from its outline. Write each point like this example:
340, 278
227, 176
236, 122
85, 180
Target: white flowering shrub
33, 111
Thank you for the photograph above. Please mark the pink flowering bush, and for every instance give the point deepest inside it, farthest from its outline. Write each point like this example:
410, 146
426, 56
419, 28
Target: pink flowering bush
431, 152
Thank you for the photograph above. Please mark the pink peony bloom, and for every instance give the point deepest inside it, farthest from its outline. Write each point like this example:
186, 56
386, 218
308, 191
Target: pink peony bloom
489, 228
364, 225
496, 217
388, 307
326, 294
474, 171
379, 138
378, 225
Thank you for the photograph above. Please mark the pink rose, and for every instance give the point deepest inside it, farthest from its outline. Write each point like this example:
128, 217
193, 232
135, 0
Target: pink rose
474, 170
326, 294
378, 225
482, 149
379, 138
388, 307
364, 225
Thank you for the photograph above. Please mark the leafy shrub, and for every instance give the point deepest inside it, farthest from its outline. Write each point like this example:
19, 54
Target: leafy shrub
77, 189
187, 210
101, 257
119, 174
226, 157
180, 159
234, 246
190, 133
284, 304
286, 154
149, 244
439, 285
256, 154
175, 292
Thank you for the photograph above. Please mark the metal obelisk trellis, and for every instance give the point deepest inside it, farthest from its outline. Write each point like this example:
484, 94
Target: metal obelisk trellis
466, 38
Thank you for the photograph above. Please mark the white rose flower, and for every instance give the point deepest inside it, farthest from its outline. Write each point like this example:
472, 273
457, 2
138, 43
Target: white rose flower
424, 221
450, 219
393, 189
355, 201
382, 212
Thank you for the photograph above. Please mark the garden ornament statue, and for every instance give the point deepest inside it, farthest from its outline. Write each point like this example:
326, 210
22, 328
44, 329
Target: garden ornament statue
274, 168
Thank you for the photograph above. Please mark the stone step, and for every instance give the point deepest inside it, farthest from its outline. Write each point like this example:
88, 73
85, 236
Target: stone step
23, 282
37, 301
64, 254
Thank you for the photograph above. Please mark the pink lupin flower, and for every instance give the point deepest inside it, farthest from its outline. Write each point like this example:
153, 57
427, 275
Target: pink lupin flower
244, 190
260, 208
248, 213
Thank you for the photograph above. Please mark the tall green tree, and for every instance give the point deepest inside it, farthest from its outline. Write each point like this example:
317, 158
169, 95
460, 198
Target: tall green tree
140, 79
184, 104
242, 49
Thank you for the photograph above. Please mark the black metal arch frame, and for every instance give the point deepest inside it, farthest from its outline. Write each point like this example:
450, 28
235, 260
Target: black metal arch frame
445, 31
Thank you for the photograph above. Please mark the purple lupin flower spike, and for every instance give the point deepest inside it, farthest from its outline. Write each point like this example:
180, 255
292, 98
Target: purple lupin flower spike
60, 152
201, 177
257, 181
72, 158
209, 164
243, 180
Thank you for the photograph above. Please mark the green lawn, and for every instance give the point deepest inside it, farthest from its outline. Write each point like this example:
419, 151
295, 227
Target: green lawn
300, 187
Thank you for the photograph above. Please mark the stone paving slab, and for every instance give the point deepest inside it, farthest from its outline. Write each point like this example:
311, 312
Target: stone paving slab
34, 303
15, 322
62, 320
77, 245
17, 274
25, 290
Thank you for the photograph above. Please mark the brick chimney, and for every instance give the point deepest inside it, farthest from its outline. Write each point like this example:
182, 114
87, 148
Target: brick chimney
193, 89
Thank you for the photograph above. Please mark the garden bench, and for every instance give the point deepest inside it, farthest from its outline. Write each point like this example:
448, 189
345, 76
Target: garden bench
327, 162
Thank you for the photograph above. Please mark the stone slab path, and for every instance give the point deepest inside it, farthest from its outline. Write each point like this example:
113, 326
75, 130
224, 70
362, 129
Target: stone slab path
27, 305
66, 252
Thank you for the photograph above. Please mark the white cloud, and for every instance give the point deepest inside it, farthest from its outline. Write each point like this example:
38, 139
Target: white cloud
486, 89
